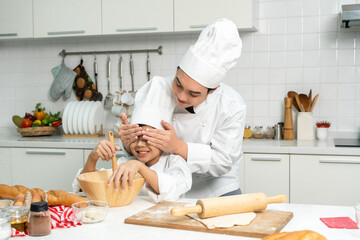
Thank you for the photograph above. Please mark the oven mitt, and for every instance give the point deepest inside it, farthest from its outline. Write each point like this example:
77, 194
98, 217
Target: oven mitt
340, 222
83, 86
63, 79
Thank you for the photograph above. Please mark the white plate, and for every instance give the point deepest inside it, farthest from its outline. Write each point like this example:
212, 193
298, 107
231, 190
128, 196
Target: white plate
75, 117
86, 117
70, 117
81, 117
96, 117
64, 117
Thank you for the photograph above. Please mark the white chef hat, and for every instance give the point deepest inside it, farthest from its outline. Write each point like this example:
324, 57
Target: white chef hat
215, 52
154, 102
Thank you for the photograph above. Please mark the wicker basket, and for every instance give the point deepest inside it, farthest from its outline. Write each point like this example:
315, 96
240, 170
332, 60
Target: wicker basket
36, 131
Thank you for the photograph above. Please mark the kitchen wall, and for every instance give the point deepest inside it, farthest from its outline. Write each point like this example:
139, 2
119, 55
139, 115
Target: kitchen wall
298, 46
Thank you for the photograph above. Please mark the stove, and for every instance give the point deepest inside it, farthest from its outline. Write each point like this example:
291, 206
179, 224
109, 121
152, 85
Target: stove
347, 142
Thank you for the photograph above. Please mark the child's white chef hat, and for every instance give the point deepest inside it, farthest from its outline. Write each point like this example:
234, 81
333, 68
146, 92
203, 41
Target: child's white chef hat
154, 102
215, 52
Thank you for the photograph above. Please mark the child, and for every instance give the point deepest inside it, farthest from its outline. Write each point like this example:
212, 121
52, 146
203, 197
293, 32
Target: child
167, 176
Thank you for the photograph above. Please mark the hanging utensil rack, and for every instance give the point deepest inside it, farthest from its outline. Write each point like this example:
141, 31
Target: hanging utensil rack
158, 50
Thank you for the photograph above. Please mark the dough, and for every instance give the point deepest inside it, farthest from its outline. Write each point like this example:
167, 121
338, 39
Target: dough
226, 221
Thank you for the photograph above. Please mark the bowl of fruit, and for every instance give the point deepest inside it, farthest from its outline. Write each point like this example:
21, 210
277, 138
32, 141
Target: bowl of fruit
39, 123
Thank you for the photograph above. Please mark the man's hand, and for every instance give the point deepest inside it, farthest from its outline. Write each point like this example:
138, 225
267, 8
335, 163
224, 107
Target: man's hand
104, 150
125, 173
128, 133
166, 140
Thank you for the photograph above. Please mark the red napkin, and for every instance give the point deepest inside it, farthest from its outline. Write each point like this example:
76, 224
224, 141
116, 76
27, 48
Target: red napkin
61, 217
340, 222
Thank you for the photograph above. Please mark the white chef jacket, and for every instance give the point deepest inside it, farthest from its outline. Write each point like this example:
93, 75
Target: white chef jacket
174, 178
214, 137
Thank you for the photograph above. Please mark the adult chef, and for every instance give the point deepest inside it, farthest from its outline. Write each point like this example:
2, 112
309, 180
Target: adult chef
208, 121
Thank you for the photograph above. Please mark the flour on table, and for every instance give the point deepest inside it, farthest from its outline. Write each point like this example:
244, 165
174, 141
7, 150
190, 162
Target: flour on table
226, 221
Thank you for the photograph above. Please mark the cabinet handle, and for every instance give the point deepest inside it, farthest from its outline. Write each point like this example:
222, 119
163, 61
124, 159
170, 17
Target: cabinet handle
66, 32
39, 152
198, 26
8, 34
136, 29
340, 161
274, 159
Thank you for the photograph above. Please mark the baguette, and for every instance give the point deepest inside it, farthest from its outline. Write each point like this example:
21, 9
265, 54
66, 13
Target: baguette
54, 197
19, 200
297, 235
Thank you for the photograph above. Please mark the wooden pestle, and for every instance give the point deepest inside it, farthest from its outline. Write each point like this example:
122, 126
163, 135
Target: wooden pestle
288, 121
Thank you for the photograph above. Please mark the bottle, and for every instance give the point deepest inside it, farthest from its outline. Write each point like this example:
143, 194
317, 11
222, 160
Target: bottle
5, 226
18, 217
247, 132
39, 220
258, 132
278, 131
270, 132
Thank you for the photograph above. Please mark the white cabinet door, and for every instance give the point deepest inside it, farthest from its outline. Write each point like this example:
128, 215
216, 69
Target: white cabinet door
5, 166
49, 169
56, 18
100, 163
192, 15
16, 19
267, 173
122, 16
330, 180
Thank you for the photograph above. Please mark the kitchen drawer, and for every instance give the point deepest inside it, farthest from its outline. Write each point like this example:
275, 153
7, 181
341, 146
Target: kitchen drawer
321, 179
5, 166
49, 169
267, 173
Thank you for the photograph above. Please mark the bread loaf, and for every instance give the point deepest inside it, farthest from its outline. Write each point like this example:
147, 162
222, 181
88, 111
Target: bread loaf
54, 197
297, 235
19, 200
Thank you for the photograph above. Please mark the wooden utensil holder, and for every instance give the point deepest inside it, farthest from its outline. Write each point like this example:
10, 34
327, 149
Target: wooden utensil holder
288, 121
305, 126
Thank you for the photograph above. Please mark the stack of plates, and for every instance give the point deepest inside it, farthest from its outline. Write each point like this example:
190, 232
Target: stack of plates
82, 117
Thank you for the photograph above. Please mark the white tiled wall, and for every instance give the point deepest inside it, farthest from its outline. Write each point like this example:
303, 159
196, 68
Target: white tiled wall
299, 46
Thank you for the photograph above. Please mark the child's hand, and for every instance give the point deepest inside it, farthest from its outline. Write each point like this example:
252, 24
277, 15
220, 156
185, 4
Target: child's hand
104, 150
125, 173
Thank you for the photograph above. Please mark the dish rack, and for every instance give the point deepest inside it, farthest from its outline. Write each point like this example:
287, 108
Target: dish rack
96, 135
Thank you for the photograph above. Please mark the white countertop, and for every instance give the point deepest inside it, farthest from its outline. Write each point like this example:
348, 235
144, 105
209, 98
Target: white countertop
10, 138
306, 217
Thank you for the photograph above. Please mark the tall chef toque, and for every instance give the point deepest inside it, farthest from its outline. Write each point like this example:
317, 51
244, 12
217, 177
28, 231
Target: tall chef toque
215, 52
151, 107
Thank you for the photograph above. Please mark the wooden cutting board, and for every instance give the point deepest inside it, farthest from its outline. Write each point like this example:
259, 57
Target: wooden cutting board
266, 222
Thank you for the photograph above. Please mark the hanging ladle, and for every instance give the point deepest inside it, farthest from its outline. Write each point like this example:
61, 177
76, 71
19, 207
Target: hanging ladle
109, 97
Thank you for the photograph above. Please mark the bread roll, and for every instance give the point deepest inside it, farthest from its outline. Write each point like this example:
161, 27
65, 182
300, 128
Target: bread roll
297, 235
59, 197
19, 200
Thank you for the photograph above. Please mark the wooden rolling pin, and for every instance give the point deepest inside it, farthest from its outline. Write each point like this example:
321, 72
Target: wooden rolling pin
212, 207
111, 139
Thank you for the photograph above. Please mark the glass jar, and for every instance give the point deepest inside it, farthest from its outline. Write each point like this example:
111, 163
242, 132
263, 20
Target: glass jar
5, 226
270, 132
247, 132
18, 217
258, 132
39, 220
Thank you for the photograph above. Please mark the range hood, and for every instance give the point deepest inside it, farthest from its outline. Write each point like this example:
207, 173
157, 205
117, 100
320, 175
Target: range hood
350, 15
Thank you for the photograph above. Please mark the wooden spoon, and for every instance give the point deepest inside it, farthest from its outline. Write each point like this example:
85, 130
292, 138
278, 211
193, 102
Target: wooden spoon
291, 94
111, 139
304, 101
314, 102
310, 99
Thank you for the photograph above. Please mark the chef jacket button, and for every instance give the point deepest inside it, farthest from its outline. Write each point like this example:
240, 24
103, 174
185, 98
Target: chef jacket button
204, 124
174, 119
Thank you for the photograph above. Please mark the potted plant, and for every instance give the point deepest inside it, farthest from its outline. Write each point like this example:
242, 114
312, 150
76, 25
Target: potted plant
322, 129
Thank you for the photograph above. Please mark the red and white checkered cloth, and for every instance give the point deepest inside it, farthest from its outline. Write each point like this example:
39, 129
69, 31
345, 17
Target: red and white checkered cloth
61, 217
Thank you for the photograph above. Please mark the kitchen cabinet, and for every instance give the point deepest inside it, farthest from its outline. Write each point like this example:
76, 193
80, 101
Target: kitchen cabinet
122, 16
57, 18
16, 19
195, 15
267, 173
46, 168
5, 163
321, 179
